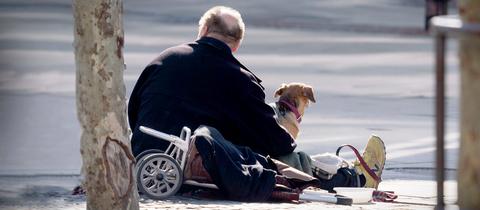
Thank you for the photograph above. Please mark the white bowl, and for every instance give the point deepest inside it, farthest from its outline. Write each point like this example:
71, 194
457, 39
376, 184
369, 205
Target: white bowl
358, 194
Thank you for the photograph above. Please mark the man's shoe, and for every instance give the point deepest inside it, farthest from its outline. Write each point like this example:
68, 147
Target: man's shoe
371, 163
374, 156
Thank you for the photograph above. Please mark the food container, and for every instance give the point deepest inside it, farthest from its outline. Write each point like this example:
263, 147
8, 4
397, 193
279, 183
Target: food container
358, 194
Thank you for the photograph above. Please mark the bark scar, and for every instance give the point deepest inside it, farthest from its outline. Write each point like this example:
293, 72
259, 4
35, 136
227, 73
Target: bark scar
120, 43
109, 173
103, 20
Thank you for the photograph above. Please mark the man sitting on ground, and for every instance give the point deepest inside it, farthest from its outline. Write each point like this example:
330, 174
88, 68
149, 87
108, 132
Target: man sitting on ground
202, 83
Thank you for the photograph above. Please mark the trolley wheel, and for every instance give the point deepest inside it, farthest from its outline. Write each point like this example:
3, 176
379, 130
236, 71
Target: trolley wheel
146, 152
159, 176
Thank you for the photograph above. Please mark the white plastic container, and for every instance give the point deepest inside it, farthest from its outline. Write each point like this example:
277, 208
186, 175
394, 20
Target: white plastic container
358, 194
326, 165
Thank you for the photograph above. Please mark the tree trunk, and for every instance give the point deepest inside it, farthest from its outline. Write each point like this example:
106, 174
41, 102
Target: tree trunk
108, 164
469, 163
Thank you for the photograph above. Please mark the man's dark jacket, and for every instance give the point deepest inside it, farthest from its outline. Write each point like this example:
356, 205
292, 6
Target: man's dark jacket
201, 83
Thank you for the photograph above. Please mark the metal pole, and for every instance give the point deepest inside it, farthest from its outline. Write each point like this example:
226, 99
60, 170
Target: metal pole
442, 27
440, 109
440, 117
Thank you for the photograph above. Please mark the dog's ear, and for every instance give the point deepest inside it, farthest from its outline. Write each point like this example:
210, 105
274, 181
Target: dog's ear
280, 90
308, 92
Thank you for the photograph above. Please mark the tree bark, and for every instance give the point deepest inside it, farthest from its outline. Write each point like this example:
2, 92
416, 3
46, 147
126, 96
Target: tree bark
469, 163
108, 164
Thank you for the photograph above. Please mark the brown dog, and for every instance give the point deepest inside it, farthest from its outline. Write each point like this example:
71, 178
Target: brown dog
289, 109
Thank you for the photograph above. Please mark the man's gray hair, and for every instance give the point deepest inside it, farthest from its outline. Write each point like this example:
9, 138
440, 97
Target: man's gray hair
215, 20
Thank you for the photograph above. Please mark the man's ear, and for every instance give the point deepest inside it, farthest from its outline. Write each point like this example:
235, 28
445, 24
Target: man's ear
308, 92
235, 46
202, 32
280, 90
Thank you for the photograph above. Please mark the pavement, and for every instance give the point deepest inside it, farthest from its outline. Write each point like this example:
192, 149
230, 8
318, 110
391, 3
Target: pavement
54, 192
411, 195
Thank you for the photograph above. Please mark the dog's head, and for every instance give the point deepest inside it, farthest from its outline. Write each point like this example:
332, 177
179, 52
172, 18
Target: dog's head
298, 94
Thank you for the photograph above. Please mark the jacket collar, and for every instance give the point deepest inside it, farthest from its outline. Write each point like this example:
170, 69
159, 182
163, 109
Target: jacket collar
217, 44
225, 49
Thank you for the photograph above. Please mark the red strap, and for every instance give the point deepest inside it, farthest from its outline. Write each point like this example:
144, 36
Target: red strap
292, 109
362, 161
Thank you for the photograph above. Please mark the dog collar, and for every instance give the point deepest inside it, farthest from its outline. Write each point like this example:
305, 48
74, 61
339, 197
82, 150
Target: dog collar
292, 108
